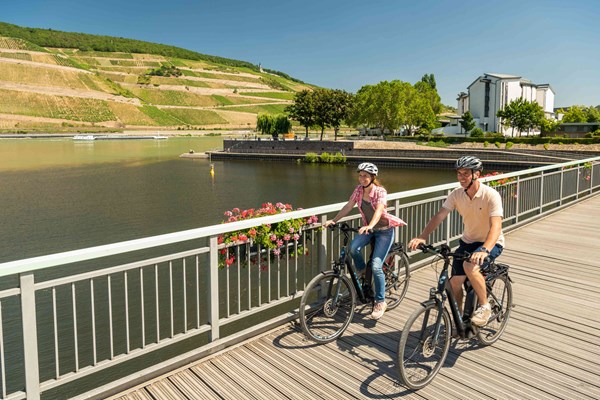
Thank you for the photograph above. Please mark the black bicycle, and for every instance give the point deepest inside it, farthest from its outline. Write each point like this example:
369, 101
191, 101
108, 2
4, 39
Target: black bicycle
425, 339
328, 303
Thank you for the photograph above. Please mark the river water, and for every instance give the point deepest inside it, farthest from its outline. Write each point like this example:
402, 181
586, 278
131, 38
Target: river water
60, 194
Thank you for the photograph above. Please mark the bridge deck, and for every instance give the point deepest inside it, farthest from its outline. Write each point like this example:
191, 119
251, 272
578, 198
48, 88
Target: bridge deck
551, 348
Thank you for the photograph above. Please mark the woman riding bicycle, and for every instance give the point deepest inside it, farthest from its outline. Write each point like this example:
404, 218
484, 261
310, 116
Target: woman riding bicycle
378, 225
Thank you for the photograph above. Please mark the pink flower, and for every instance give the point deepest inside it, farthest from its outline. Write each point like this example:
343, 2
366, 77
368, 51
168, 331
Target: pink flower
292, 230
273, 237
236, 210
252, 232
277, 252
296, 237
229, 261
243, 237
220, 240
228, 213
286, 237
279, 242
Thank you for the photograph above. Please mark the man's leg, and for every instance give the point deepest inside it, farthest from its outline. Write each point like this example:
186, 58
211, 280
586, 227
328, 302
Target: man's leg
457, 282
477, 281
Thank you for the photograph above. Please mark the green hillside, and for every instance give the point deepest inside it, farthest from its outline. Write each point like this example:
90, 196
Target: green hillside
53, 81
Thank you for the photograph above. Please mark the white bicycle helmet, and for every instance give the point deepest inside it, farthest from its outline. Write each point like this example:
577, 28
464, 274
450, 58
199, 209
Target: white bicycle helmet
469, 162
368, 167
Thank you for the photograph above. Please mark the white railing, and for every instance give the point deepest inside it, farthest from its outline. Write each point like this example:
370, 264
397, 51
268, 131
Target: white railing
66, 316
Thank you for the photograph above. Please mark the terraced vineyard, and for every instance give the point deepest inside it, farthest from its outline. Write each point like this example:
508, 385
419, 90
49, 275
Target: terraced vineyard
46, 88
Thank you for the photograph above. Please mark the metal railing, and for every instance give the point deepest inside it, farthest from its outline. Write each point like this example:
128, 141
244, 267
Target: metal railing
117, 311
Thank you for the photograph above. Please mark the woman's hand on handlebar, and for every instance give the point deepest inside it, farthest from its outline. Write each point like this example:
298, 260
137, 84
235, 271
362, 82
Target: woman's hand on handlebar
415, 243
329, 223
363, 230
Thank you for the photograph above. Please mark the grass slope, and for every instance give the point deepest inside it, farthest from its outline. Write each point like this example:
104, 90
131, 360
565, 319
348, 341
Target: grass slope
72, 78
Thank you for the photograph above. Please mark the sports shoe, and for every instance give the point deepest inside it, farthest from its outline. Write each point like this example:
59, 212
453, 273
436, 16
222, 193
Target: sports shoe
378, 310
481, 315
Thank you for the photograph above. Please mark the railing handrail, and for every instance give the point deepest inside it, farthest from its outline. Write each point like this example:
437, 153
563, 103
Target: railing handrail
52, 260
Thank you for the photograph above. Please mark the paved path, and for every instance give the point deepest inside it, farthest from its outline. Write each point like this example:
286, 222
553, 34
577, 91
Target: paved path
550, 350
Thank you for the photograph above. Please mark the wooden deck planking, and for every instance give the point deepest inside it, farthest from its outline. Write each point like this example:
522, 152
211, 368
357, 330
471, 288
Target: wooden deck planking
550, 348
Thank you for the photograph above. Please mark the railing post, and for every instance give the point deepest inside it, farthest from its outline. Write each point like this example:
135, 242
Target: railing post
323, 246
449, 222
541, 192
30, 343
577, 179
518, 199
562, 179
213, 289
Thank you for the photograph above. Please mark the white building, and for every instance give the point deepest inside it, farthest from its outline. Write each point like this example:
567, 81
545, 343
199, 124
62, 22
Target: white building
491, 92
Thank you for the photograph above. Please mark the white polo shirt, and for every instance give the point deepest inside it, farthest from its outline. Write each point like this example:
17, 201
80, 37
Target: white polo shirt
476, 212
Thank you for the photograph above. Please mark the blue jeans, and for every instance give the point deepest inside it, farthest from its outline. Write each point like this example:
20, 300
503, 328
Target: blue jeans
383, 243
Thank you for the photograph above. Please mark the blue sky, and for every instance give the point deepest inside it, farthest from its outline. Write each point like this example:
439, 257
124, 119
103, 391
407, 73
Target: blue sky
347, 44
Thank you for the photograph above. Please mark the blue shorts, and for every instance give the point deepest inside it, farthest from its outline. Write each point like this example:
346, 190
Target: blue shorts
457, 265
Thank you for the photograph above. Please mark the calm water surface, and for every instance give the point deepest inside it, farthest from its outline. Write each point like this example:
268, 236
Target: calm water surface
59, 194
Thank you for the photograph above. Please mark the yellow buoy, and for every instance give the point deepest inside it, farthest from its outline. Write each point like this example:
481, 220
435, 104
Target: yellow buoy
212, 169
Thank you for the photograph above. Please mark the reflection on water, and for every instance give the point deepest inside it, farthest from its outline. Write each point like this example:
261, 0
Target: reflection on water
59, 195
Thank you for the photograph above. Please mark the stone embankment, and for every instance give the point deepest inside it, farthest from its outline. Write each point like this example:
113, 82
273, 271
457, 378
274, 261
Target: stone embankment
407, 154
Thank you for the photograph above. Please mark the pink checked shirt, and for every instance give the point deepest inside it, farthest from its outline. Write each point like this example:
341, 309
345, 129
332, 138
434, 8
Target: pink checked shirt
377, 196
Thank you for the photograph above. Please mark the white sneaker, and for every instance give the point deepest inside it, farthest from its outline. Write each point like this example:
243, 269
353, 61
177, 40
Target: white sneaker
378, 310
481, 315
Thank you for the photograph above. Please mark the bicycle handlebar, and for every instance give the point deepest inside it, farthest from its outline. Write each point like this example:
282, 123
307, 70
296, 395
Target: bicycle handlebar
444, 251
344, 227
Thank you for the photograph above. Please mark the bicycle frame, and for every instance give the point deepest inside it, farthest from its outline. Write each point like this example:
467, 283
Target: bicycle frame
444, 292
345, 261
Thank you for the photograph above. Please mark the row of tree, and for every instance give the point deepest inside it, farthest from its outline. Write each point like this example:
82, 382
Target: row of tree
522, 116
390, 106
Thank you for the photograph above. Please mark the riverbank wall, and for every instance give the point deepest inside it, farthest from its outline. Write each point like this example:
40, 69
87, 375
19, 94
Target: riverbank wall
294, 150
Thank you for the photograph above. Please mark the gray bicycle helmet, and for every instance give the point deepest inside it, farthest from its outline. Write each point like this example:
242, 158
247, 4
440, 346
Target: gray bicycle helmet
469, 162
368, 167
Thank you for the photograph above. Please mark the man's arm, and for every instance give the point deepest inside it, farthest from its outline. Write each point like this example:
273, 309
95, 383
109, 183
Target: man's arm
431, 226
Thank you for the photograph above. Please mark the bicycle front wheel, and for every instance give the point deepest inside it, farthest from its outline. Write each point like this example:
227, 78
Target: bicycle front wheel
500, 299
327, 307
422, 352
396, 279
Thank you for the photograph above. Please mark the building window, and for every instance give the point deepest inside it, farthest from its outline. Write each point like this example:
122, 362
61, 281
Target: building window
486, 112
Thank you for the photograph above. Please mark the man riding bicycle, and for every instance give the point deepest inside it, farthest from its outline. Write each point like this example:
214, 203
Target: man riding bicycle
481, 209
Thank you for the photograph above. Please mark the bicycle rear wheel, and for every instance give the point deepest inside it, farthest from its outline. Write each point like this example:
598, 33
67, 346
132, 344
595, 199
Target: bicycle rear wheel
500, 299
396, 279
420, 353
327, 307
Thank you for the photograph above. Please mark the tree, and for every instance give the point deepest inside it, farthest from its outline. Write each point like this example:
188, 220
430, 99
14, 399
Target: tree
322, 109
430, 80
302, 110
521, 115
428, 88
392, 105
273, 125
467, 123
341, 104
581, 114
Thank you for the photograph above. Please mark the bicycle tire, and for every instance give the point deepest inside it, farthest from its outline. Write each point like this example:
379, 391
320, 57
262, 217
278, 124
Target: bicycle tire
418, 359
501, 302
323, 318
397, 277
